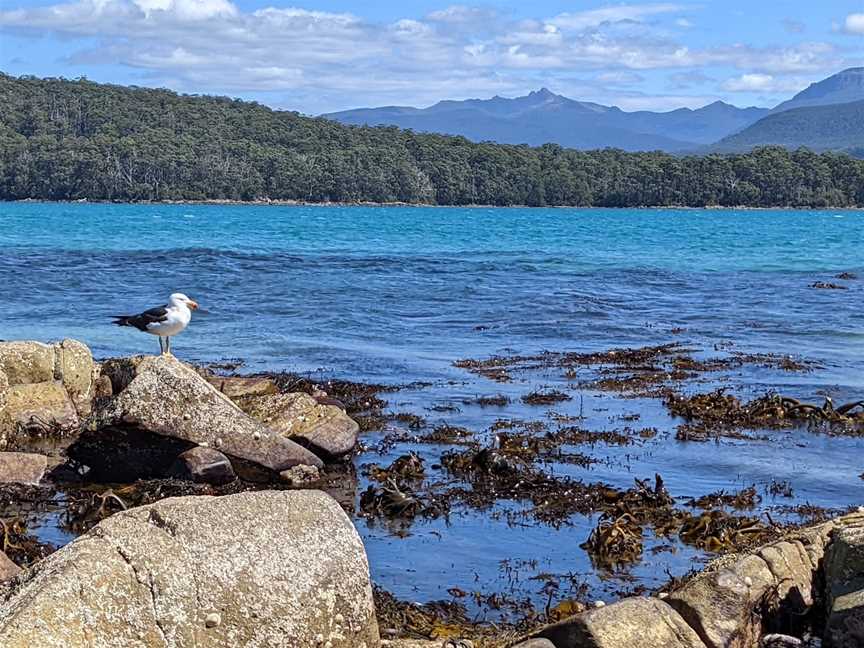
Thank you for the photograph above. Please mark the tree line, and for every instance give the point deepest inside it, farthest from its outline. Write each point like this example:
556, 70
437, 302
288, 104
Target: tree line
75, 139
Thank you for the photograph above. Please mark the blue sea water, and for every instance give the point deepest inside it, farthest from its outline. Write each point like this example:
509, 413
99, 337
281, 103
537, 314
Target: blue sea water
396, 294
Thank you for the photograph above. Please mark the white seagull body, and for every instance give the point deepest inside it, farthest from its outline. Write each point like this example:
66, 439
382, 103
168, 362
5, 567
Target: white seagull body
163, 321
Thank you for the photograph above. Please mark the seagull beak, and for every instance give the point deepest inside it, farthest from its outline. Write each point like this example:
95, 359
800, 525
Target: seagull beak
193, 304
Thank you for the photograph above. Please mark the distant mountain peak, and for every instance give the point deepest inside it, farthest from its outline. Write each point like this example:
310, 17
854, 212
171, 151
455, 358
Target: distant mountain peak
844, 87
543, 93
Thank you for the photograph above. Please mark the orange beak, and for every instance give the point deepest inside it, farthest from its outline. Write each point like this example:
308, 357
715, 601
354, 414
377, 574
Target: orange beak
192, 304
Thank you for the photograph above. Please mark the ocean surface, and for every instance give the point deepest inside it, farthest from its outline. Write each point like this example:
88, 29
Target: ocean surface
397, 294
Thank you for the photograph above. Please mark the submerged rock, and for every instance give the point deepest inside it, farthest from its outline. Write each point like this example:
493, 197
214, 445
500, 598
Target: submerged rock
208, 466
265, 569
326, 429
163, 396
22, 467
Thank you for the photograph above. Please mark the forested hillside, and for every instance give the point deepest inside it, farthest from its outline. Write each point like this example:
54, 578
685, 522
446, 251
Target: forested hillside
66, 140
835, 127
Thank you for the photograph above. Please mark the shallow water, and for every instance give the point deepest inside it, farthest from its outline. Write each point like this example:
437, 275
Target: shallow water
396, 294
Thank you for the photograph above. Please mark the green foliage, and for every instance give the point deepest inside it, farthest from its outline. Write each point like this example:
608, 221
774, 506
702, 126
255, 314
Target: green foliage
67, 140
838, 127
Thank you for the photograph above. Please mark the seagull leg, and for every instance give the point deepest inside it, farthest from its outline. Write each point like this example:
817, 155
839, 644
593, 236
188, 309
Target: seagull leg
161, 346
168, 343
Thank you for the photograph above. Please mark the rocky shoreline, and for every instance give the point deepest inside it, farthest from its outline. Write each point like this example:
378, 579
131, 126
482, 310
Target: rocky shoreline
254, 552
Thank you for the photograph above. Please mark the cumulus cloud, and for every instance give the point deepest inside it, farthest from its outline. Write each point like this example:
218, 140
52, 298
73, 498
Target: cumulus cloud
347, 60
854, 24
763, 83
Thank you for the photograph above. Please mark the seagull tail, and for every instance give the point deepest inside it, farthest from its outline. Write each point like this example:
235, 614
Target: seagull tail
121, 320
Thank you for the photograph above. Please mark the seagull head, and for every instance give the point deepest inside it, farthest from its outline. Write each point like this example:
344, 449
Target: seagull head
179, 299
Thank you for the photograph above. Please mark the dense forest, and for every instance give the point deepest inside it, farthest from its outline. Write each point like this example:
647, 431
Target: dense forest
68, 140
835, 126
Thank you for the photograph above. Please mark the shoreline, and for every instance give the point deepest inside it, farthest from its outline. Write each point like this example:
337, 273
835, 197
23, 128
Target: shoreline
301, 203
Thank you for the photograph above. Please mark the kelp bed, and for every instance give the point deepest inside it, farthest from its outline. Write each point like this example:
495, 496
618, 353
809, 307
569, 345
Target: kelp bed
518, 460
524, 470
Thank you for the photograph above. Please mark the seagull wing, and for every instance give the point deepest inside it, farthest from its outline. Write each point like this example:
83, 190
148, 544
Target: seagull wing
143, 320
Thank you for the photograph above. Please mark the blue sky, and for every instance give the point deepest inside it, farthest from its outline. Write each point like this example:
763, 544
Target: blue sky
324, 55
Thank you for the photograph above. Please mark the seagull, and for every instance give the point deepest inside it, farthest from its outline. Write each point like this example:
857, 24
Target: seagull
164, 321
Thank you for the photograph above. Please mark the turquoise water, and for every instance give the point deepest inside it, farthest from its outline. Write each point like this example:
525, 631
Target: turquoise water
397, 294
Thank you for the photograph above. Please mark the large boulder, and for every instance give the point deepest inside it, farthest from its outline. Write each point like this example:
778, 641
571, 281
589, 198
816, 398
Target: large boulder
43, 406
163, 396
74, 368
636, 621
844, 575
264, 569
721, 603
22, 467
326, 429
43, 388
27, 362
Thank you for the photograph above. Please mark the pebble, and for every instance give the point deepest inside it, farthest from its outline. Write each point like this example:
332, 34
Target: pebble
748, 581
599, 604
212, 620
339, 619
319, 639
256, 435
217, 442
663, 595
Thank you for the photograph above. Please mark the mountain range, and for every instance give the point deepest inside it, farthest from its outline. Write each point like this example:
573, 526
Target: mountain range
821, 117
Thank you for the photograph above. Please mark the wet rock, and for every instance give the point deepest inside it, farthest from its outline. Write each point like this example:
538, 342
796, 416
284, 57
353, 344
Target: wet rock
43, 406
168, 398
326, 429
535, 643
780, 641
243, 386
25, 363
206, 465
844, 573
22, 467
8, 569
300, 475
634, 621
411, 643
721, 604
73, 367
278, 569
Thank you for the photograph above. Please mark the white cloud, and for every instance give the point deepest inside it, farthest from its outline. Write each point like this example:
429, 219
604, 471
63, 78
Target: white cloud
854, 23
763, 83
620, 13
337, 60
